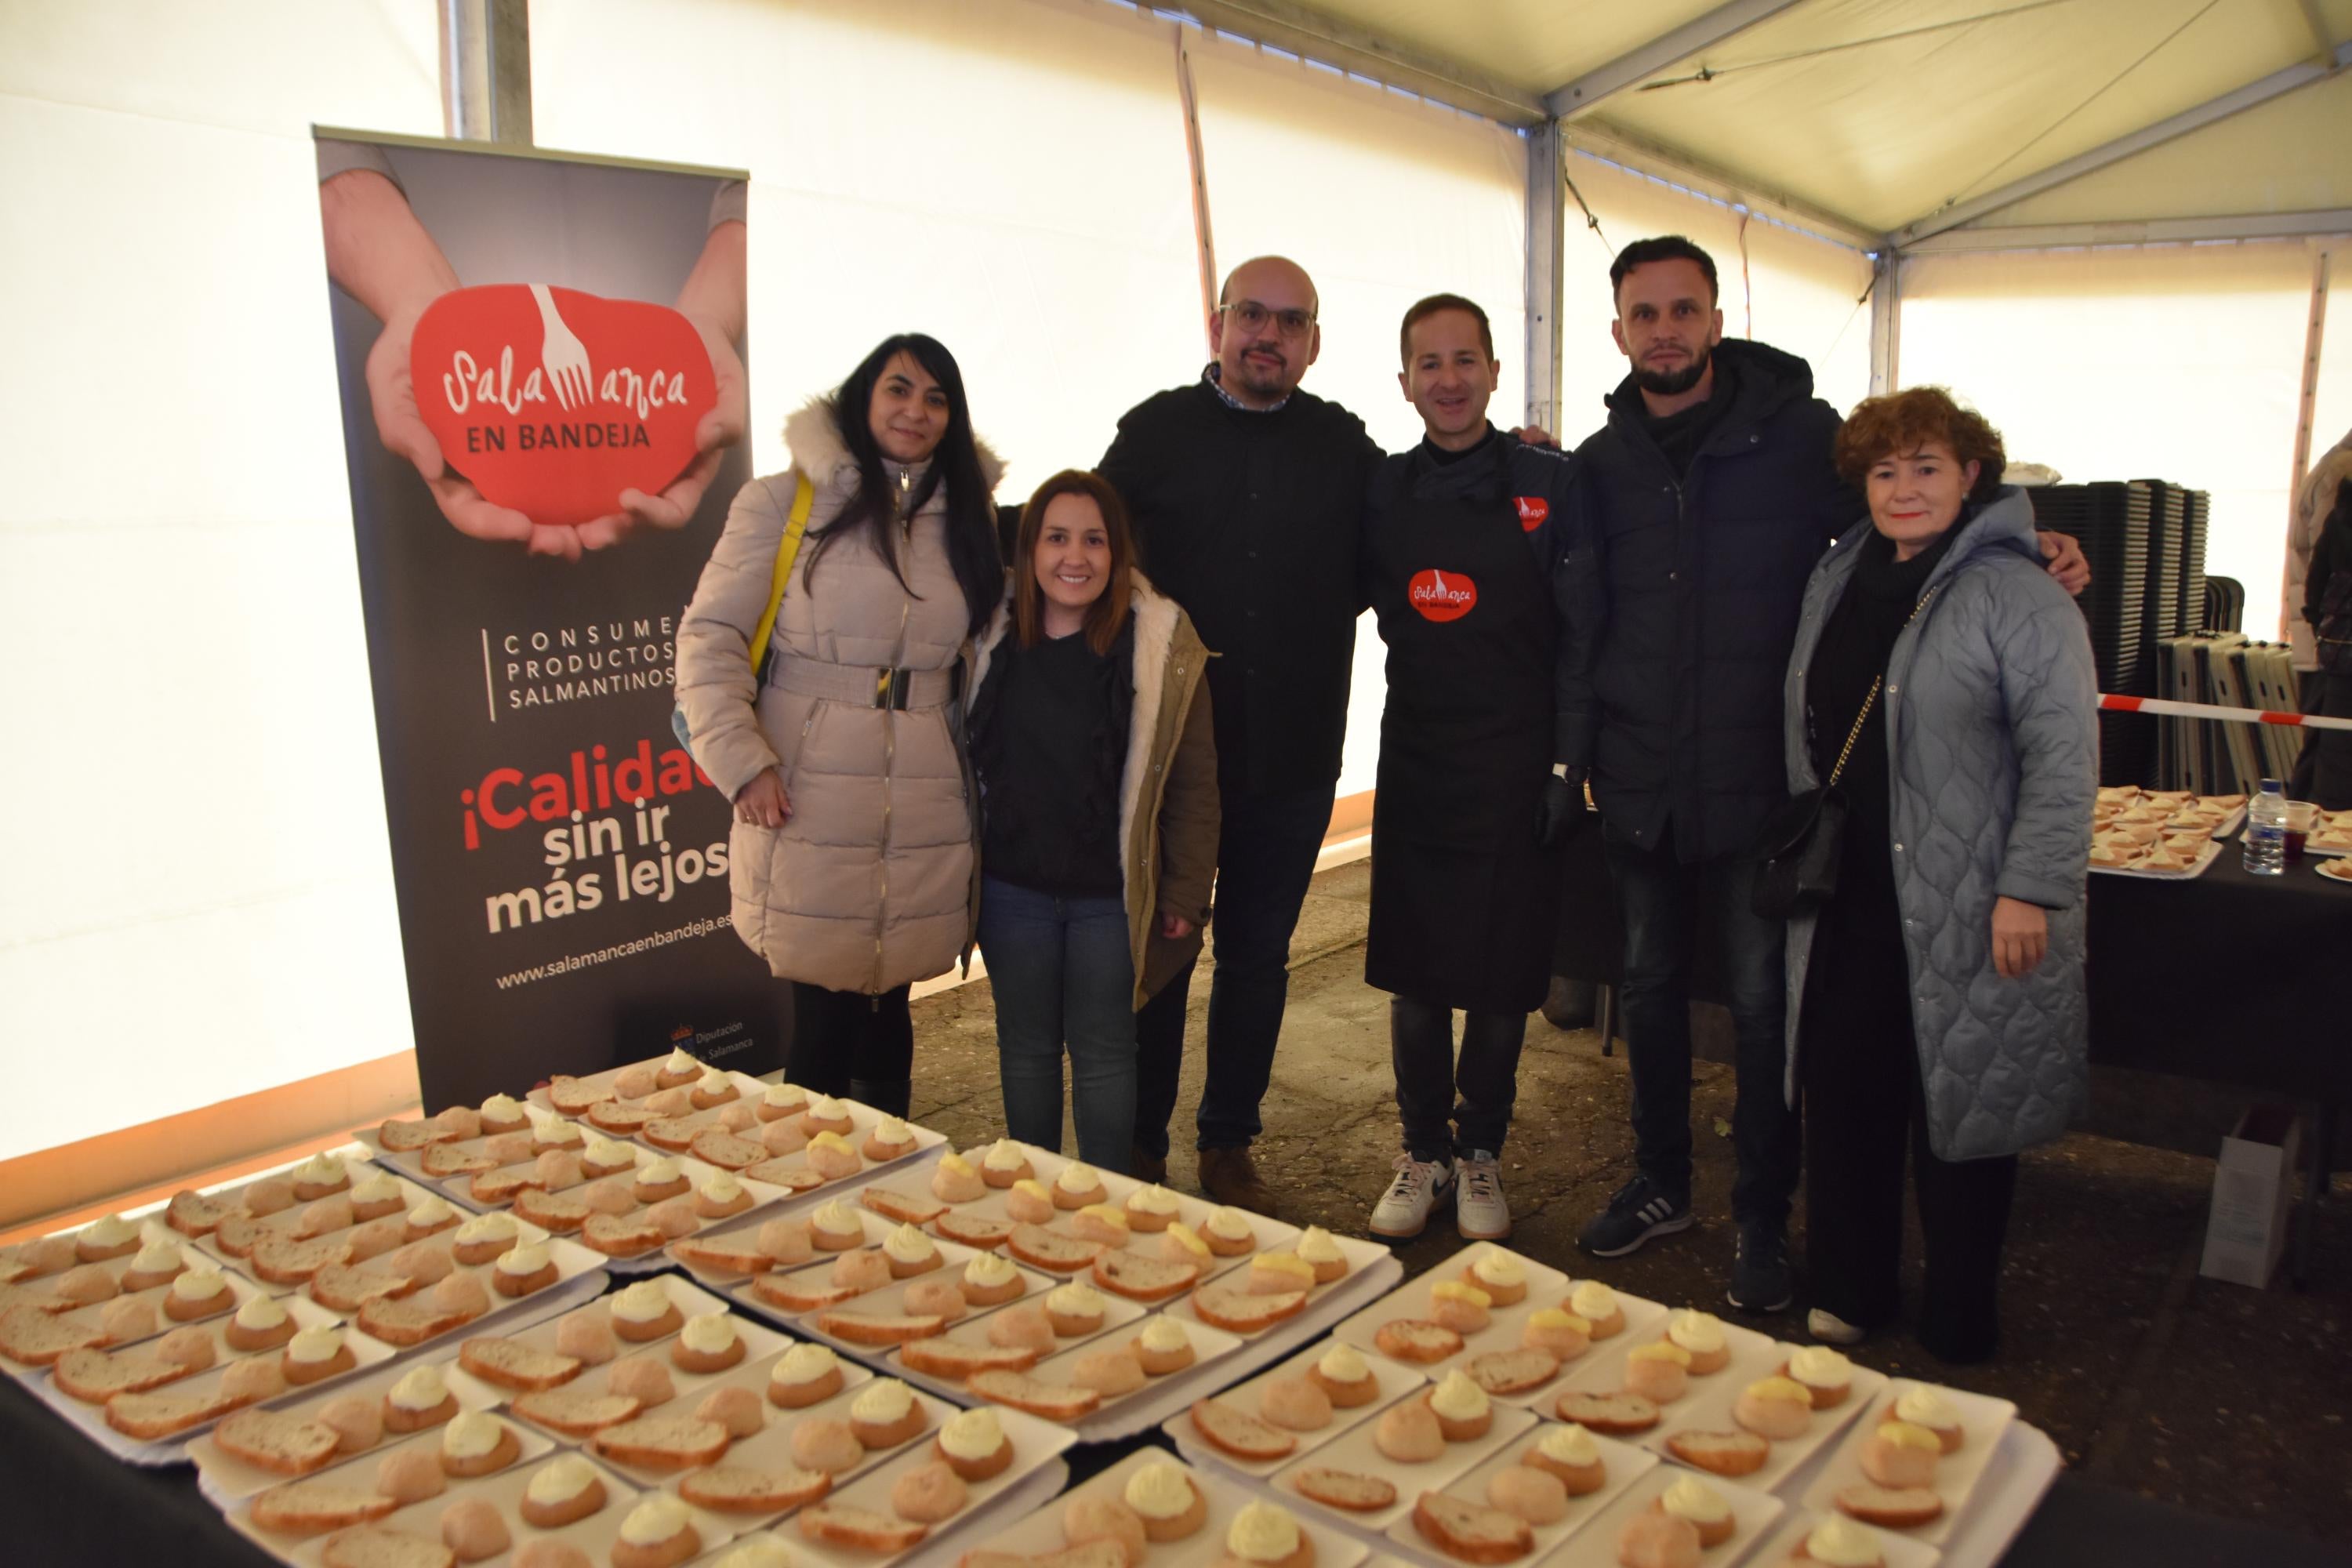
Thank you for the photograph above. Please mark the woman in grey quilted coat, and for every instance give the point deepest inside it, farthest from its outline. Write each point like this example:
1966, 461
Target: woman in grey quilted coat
1941, 1008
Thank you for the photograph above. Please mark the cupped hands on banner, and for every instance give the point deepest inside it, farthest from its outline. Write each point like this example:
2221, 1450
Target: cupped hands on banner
674, 505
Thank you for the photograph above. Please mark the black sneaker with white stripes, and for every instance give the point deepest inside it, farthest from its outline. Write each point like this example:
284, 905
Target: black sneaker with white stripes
1642, 1208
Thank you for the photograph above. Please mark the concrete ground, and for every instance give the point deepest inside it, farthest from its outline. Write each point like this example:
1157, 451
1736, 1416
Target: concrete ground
2219, 1398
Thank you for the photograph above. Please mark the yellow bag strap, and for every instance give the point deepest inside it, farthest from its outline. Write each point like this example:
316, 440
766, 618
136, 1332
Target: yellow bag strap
803, 496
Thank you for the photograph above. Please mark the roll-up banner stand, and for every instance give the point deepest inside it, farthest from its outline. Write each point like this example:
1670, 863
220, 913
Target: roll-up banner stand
523, 340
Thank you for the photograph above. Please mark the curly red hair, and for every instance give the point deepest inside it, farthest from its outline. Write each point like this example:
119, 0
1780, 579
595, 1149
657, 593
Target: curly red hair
1902, 422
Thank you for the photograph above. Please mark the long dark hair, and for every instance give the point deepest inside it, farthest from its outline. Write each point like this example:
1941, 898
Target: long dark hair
972, 514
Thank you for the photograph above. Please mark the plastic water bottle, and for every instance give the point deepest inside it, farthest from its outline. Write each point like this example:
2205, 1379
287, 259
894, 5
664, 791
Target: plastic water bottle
2266, 835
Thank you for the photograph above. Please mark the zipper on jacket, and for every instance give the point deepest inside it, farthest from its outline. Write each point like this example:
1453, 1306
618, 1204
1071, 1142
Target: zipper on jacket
889, 764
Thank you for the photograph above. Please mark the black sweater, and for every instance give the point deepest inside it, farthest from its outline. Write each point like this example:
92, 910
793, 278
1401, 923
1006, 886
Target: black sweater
1250, 521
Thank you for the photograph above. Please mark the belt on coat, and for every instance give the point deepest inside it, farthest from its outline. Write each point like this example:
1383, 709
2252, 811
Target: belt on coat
897, 688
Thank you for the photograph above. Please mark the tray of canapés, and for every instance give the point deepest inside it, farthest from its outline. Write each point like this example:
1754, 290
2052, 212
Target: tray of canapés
2169, 834
778, 1139
967, 1274
112, 1283
1151, 1510
672, 1102
402, 1272
164, 1390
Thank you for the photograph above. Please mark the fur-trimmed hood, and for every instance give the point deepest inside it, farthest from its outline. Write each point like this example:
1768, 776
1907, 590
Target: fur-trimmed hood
813, 439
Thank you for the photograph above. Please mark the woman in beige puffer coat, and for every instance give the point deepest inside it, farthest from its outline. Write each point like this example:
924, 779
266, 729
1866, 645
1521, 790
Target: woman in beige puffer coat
852, 855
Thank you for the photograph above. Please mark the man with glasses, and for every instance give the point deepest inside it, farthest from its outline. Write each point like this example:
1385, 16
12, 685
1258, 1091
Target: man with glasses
1247, 497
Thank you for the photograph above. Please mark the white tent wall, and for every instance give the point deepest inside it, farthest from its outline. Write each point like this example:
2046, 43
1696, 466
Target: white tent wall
1801, 293
1009, 176
1384, 198
2179, 362
199, 892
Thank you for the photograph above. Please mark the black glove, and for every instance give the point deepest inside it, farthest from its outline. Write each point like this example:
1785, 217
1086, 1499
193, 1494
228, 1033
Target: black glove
1561, 814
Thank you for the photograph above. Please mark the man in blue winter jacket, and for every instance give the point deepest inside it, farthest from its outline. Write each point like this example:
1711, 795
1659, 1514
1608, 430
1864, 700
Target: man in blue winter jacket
1706, 500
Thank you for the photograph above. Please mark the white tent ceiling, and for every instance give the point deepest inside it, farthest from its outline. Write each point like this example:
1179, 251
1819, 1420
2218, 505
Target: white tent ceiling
1901, 117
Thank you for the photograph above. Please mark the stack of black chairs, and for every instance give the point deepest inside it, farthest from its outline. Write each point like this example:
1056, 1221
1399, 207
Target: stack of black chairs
2192, 574
2115, 523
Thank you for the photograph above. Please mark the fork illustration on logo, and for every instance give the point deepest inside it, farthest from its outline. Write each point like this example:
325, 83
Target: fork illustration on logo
562, 355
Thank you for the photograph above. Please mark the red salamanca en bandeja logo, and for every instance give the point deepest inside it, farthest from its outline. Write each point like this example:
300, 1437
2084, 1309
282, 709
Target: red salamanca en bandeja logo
1440, 597
553, 401
1533, 510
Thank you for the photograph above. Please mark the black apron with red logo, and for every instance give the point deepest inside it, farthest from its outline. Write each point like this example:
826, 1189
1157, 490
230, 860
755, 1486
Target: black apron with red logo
1464, 901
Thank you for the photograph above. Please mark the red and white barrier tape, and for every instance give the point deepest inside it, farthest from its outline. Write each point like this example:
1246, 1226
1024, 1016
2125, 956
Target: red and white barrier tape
2166, 709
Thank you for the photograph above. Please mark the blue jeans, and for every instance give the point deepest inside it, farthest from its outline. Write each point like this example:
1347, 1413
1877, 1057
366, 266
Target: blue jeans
1267, 846
1062, 974
1666, 904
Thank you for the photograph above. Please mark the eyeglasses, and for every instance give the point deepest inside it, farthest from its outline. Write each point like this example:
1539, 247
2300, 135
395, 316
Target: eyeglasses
1251, 316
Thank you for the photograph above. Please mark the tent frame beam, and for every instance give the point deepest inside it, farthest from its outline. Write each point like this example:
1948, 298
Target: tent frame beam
1695, 37
2276, 85
486, 70
1302, 31
2150, 231
1886, 323
1546, 275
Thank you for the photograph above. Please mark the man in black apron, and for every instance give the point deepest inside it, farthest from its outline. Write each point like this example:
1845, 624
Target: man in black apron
1461, 537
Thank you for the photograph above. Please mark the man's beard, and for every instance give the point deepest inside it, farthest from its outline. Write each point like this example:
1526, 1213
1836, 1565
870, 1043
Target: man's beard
1263, 380
1672, 382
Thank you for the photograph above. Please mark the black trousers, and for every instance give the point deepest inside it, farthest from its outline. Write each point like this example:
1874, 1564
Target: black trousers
1267, 846
1436, 1125
1863, 1111
847, 1043
1666, 905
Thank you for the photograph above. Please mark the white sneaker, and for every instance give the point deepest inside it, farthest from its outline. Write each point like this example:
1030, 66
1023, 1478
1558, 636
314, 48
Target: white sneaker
1479, 1211
1832, 1330
1403, 1209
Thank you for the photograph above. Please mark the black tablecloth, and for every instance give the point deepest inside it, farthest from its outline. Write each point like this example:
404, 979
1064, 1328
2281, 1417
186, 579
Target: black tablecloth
2230, 978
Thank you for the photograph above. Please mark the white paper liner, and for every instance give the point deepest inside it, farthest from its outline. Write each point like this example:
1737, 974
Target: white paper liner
1894, 1551
751, 1373
1594, 1543
1394, 1380
504, 1491
1545, 1288
763, 1197
1624, 1464
2196, 868
241, 1290
770, 1449
91, 1419
1226, 1495
1601, 1369
1269, 1234
226, 1479
1708, 1409
360, 1470
761, 1346
1036, 1445
1982, 1420
1362, 1256
1210, 1347
1355, 1450
283, 1222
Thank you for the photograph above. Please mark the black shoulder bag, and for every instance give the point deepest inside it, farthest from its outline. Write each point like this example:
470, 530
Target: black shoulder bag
1800, 849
